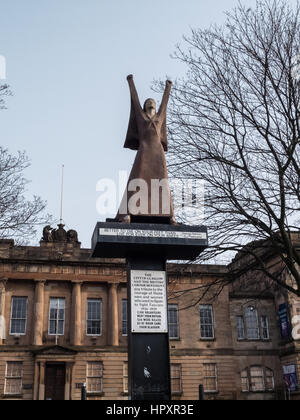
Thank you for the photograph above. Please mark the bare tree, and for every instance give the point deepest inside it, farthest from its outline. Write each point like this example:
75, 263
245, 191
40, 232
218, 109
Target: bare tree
234, 121
4, 91
19, 217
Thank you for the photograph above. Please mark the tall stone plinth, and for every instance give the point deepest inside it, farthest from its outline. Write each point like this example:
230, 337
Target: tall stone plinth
147, 247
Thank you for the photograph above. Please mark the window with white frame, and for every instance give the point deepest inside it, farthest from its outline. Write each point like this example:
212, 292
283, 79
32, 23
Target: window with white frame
210, 377
269, 380
94, 317
206, 322
265, 335
252, 330
173, 321
94, 377
124, 317
245, 381
257, 379
240, 327
125, 377
18, 317
57, 316
176, 381
13, 378
252, 326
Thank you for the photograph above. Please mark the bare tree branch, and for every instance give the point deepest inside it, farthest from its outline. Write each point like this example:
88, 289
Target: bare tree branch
4, 92
19, 216
234, 122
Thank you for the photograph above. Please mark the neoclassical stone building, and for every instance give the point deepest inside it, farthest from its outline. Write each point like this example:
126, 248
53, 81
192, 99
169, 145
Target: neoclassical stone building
63, 322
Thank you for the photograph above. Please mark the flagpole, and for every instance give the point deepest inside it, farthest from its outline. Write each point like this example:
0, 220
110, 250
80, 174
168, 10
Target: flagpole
62, 194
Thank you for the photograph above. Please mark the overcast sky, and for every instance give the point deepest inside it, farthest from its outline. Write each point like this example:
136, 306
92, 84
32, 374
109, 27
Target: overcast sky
67, 62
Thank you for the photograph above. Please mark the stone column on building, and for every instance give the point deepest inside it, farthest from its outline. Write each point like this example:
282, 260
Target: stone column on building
39, 313
68, 385
42, 381
113, 316
2, 310
77, 314
36, 381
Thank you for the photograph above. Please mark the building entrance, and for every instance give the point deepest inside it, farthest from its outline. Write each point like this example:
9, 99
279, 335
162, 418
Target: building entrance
55, 381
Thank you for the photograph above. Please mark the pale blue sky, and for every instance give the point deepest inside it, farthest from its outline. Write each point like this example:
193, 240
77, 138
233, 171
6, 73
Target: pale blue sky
67, 62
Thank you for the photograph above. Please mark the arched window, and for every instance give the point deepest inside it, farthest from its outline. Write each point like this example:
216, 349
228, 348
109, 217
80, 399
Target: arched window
252, 325
257, 382
257, 379
245, 381
270, 384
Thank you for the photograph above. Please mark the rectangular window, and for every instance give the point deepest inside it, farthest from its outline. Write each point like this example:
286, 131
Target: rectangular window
240, 327
210, 377
124, 317
94, 317
94, 377
13, 378
252, 323
265, 328
125, 377
173, 321
18, 316
206, 322
57, 316
176, 383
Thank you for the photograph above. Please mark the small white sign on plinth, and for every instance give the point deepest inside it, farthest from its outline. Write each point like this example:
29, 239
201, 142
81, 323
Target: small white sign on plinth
149, 310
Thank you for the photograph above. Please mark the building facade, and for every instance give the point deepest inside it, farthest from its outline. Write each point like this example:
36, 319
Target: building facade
63, 322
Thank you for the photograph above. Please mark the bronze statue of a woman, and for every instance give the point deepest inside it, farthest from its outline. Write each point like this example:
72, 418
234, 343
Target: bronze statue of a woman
148, 192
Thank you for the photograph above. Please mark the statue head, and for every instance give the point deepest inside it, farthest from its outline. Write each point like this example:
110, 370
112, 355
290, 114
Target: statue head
150, 107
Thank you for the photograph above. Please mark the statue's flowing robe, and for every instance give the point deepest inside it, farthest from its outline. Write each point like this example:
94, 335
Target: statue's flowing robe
149, 137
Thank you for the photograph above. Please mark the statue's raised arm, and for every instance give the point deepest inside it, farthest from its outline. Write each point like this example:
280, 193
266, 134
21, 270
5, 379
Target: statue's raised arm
133, 93
132, 137
165, 98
